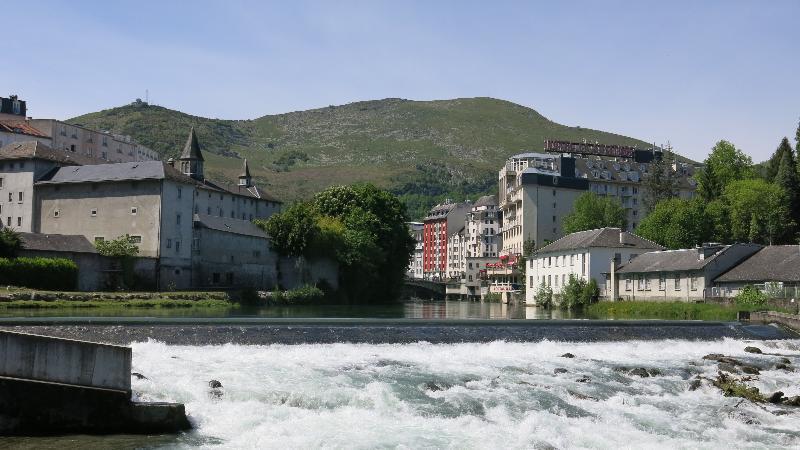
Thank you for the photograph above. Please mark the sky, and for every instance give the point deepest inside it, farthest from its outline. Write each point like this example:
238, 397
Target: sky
689, 73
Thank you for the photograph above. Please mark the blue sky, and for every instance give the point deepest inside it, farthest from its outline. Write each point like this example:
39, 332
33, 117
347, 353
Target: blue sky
688, 72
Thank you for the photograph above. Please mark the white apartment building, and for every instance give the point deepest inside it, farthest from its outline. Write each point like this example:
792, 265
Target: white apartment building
585, 255
415, 265
456, 254
482, 229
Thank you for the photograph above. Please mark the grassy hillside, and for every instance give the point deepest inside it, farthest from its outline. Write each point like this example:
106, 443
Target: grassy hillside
422, 150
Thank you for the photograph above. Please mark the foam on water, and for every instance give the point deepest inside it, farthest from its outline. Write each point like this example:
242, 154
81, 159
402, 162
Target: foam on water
496, 395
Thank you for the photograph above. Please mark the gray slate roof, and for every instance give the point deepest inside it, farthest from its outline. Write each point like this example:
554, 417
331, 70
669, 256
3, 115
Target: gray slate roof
668, 261
236, 226
601, 237
772, 263
192, 148
486, 200
140, 170
57, 243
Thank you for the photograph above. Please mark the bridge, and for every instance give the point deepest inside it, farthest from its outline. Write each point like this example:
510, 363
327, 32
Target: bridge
415, 287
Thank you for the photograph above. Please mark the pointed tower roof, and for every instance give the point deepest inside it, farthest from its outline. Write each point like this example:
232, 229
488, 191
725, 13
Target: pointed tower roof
192, 148
245, 170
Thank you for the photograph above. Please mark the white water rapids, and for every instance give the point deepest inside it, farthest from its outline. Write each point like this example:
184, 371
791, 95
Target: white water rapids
496, 395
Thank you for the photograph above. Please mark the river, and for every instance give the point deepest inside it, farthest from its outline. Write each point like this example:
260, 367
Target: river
488, 394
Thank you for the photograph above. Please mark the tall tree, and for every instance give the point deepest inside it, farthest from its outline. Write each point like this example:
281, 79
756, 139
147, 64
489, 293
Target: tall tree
767, 202
787, 179
591, 211
677, 223
774, 161
724, 165
662, 182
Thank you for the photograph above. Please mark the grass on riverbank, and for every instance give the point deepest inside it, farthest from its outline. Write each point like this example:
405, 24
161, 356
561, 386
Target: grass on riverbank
666, 310
156, 303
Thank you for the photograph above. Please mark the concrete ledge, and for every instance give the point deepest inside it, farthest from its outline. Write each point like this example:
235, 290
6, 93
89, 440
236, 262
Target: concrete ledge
36, 408
68, 361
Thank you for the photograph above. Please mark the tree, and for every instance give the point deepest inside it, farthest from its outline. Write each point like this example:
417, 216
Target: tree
724, 165
787, 178
10, 243
662, 184
677, 223
123, 250
767, 202
591, 211
292, 230
774, 162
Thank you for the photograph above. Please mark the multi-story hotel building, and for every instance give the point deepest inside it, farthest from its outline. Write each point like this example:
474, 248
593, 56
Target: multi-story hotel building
441, 222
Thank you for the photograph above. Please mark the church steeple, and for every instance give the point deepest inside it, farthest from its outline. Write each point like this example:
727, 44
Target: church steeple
245, 180
192, 158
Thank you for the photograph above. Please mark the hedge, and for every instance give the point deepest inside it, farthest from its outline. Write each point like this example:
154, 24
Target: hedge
39, 273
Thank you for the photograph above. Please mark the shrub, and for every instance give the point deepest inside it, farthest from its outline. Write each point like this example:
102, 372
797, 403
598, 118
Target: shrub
544, 295
492, 297
39, 273
750, 296
304, 294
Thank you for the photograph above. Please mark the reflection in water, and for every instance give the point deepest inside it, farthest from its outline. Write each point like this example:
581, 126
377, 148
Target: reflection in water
397, 310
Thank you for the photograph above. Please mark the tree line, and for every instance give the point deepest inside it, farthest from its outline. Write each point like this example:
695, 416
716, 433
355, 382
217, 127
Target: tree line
735, 201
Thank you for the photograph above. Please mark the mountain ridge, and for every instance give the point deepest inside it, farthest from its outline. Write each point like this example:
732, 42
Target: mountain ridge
421, 150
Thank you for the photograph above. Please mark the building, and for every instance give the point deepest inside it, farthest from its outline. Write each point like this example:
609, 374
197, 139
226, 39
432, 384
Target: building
775, 269
585, 255
686, 275
482, 229
91, 265
415, 265
97, 144
441, 222
15, 126
176, 216
537, 190
456, 254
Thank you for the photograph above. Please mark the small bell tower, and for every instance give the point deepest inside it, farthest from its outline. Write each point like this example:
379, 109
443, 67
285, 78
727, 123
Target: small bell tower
192, 158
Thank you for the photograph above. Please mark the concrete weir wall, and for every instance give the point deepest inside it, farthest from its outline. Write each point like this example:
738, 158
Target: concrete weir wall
65, 361
53, 385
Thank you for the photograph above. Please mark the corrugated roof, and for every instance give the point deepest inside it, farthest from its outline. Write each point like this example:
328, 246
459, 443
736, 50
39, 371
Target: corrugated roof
772, 263
21, 127
601, 237
57, 242
235, 226
37, 150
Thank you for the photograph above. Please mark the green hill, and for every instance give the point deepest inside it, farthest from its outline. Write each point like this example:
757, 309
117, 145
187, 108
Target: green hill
422, 150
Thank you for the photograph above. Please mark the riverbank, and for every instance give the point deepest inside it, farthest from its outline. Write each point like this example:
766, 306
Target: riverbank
667, 310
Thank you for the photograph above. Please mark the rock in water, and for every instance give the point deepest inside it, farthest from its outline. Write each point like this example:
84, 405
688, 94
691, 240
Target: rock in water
640, 372
750, 370
559, 370
567, 355
214, 384
138, 376
777, 397
750, 349
695, 385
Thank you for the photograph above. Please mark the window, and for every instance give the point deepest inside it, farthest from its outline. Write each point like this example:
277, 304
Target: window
627, 283
208, 210
180, 192
677, 282
531, 283
554, 219
134, 210
1, 182
563, 279
8, 221
693, 283
169, 243
196, 243
19, 221
177, 246
178, 219
93, 212
571, 260
662, 282
549, 280
11, 196
105, 141
556, 281
233, 216
640, 282
554, 192
135, 239
56, 213
99, 239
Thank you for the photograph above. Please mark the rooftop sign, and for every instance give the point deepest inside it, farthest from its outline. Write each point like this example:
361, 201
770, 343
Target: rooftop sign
586, 148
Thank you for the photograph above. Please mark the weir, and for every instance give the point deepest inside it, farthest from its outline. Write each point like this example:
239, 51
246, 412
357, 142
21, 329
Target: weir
52, 385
